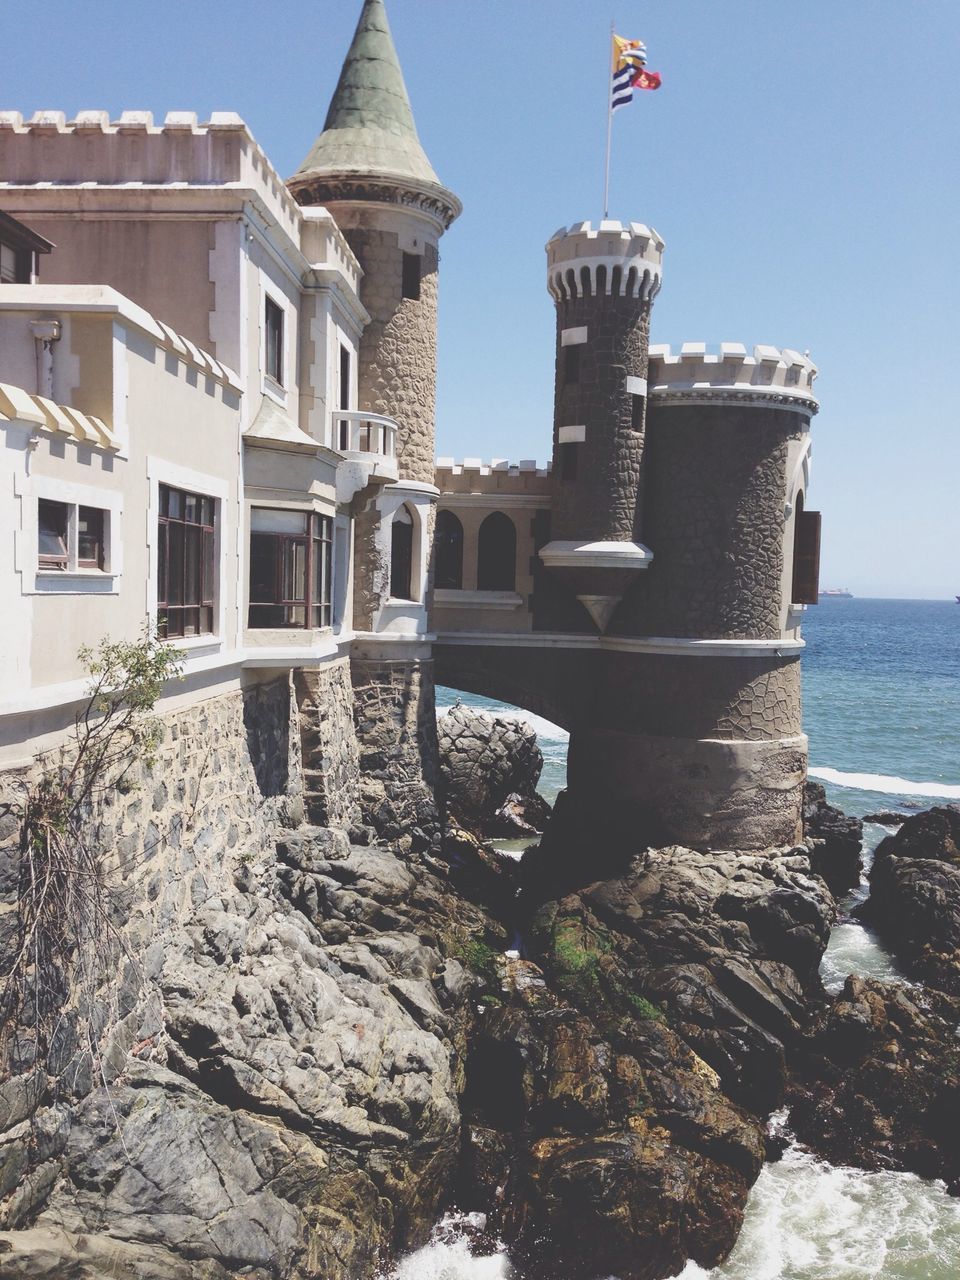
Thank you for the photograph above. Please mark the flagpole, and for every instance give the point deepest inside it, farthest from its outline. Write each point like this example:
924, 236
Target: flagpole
606, 172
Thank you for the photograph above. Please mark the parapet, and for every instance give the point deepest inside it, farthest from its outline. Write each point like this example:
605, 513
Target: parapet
93, 151
497, 476
770, 377
616, 259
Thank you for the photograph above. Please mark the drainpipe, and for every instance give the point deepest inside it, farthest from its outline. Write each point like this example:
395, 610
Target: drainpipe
45, 334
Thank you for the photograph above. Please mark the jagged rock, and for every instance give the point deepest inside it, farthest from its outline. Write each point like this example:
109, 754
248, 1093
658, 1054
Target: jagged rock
915, 896
485, 759
835, 840
886, 818
725, 944
518, 817
293, 1112
877, 1081
614, 1151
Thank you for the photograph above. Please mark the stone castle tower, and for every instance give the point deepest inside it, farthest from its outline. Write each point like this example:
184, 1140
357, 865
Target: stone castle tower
603, 283
369, 170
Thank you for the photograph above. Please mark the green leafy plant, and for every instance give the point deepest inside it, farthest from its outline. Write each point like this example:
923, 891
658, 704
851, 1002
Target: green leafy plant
65, 926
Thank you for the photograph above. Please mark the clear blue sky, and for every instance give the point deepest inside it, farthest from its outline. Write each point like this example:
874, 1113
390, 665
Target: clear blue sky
801, 162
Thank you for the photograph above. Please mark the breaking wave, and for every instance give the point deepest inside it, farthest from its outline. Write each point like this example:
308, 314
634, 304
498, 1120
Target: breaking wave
887, 785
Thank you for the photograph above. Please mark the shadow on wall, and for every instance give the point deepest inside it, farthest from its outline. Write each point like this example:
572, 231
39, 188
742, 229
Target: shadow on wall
266, 719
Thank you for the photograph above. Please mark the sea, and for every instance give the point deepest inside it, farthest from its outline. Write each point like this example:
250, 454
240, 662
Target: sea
881, 687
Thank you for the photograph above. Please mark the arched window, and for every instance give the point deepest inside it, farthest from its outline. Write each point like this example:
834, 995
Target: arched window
497, 554
806, 555
449, 545
401, 555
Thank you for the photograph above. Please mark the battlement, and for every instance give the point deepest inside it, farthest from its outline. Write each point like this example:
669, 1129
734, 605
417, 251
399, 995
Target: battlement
93, 151
614, 259
770, 376
496, 476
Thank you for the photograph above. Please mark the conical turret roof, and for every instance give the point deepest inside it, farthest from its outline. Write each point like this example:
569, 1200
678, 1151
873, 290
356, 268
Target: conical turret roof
369, 131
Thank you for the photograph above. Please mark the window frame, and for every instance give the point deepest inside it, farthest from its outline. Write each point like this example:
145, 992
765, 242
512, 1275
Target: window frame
495, 571
71, 563
274, 360
205, 564
411, 276
317, 540
448, 551
402, 557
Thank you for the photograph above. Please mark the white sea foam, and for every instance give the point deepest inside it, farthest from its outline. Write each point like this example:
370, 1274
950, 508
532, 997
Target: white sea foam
448, 1256
887, 785
807, 1220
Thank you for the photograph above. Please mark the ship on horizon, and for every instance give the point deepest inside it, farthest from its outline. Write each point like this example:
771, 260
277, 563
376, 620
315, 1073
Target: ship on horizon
841, 593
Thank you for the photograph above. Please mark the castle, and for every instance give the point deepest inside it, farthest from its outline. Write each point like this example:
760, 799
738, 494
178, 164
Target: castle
217, 395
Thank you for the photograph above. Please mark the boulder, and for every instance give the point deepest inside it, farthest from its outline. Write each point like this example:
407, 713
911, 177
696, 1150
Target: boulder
490, 767
914, 898
876, 1081
835, 840
598, 1152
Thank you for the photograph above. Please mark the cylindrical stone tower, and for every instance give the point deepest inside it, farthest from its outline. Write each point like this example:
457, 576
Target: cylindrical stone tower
369, 169
603, 282
694, 732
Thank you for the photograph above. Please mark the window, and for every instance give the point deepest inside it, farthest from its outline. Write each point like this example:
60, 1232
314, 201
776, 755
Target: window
291, 569
186, 564
344, 395
636, 413
448, 542
401, 555
497, 553
571, 364
273, 328
806, 556
411, 275
568, 462
70, 537
10, 272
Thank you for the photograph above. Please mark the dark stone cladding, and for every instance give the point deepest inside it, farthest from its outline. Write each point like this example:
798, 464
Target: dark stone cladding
602, 502
715, 488
661, 695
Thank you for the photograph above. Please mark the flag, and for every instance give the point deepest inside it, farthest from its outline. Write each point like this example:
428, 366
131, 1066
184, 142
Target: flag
629, 71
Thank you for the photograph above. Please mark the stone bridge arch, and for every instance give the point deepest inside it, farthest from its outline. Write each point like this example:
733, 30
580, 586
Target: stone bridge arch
553, 683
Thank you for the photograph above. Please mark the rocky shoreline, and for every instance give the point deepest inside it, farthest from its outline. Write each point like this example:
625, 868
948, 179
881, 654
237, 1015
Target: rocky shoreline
345, 1040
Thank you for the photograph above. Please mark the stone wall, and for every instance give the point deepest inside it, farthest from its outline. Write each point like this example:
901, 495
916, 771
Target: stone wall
602, 502
396, 719
331, 756
398, 348
715, 487
173, 835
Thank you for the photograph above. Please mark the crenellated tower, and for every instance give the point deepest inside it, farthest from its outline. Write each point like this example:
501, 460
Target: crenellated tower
603, 281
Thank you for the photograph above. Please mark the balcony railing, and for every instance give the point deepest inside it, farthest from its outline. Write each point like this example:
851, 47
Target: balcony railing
356, 431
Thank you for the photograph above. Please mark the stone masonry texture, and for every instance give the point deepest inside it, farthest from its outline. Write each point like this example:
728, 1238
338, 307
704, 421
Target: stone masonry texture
715, 486
396, 719
331, 756
398, 349
754, 699
602, 502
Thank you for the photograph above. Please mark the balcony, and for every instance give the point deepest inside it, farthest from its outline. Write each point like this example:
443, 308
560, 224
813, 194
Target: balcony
369, 442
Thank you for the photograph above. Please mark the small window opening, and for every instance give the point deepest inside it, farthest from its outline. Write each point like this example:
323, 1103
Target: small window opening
273, 324
636, 413
569, 455
401, 555
344, 397
90, 540
411, 275
497, 554
448, 542
52, 534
